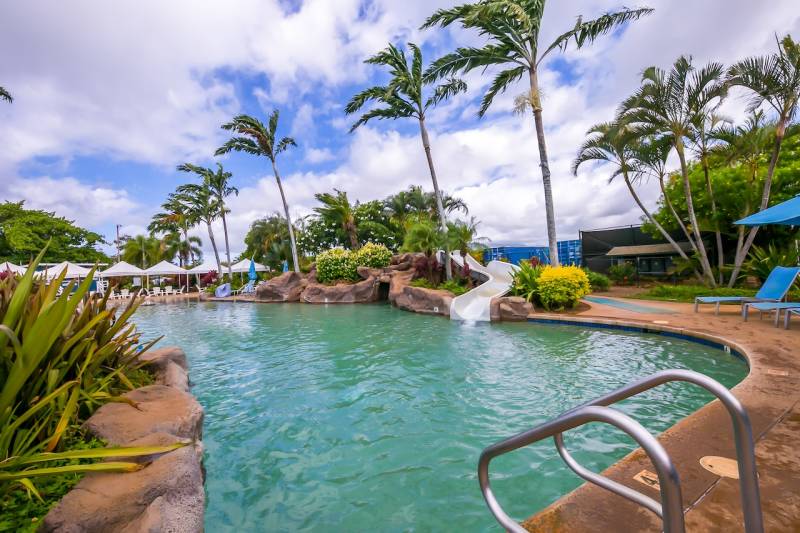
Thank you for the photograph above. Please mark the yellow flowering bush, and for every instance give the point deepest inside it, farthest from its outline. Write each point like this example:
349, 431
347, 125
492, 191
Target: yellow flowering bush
561, 287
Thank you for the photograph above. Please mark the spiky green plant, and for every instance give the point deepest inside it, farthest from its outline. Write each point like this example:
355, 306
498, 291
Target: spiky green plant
61, 357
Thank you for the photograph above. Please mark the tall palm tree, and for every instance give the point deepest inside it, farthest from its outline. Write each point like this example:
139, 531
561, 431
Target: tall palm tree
745, 145
338, 210
202, 206
512, 28
253, 137
403, 97
775, 81
668, 105
463, 235
701, 142
218, 182
5, 95
143, 251
613, 142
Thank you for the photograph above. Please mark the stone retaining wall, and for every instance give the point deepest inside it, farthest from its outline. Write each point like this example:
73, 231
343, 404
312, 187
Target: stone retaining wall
166, 495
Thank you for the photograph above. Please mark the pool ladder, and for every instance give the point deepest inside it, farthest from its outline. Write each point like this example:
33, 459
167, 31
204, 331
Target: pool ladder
670, 509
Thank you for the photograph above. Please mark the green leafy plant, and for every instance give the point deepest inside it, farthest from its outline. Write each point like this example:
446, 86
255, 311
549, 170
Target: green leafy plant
61, 357
597, 281
764, 260
454, 286
526, 280
621, 273
372, 255
561, 287
335, 265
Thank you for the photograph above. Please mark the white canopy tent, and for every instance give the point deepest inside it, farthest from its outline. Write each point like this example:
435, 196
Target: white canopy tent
243, 267
16, 269
205, 268
165, 268
73, 271
122, 269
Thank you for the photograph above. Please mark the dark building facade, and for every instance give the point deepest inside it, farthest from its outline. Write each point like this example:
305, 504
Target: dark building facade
602, 248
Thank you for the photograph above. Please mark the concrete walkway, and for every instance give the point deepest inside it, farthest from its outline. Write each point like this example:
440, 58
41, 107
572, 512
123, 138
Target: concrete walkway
771, 394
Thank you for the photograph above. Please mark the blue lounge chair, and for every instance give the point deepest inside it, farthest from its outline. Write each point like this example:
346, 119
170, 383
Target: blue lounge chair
788, 315
774, 289
766, 307
250, 288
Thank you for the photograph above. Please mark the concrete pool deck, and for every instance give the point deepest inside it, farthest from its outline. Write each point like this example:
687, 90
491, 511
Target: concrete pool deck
770, 393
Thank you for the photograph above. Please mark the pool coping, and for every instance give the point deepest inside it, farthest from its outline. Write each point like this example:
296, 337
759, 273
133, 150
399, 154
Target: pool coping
767, 394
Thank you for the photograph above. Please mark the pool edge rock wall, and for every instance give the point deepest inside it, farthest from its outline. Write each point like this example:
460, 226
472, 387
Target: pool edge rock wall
166, 495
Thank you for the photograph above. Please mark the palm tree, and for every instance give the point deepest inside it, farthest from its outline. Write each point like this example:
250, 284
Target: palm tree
403, 98
337, 210
701, 141
463, 235
173, 219
218, 182
425, 237
745, 145
253, 137
143, 251
5, 95
668, 105
774, 80
202, 206
613, 142
512, 28
268, 242
184, 248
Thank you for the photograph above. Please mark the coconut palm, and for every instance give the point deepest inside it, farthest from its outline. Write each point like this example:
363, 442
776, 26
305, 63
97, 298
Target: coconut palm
668, 105
615, 143
403, 97
143, 251
774, 81
202, 206
463, 236
218, 182
512, 28
253, 137
425, 237
338, 210
5, 95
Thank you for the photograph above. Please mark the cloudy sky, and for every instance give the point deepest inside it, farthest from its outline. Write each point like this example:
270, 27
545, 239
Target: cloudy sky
110, 96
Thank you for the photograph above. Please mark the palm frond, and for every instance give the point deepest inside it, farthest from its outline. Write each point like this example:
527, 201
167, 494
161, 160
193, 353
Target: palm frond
499, 85
445, 91
283, 144
5, 95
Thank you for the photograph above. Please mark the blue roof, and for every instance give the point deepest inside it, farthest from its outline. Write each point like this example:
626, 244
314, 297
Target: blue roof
786, 213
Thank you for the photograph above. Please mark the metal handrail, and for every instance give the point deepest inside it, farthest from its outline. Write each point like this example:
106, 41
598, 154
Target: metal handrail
670, 509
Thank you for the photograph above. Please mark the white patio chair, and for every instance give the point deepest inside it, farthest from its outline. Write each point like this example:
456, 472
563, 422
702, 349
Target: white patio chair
168, 290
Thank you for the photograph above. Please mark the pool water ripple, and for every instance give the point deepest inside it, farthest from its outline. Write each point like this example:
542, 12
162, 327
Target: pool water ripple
365, 418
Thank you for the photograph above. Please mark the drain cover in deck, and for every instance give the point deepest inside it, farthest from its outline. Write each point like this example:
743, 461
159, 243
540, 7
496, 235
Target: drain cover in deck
721, 466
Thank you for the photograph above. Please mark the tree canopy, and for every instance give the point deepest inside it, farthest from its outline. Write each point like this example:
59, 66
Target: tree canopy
25, 232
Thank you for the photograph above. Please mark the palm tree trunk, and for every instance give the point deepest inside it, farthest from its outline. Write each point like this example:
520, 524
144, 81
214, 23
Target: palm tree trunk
536, 104
288, 218
350, 229
687, 190
227, 246
717, 233
426, 144
674, 212
780, 131
214, 247
187, 252
655, 222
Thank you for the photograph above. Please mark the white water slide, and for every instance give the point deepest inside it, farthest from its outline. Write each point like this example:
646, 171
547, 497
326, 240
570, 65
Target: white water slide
475, 304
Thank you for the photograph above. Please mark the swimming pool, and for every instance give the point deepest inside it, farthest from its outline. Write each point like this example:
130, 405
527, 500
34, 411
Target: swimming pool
364, 417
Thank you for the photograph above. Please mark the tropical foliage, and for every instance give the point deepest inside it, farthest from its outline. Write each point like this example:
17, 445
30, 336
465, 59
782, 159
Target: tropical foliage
268, 243
25, 232
512, 29
403, 97
338, 264
562, 287
526, 280
61, 357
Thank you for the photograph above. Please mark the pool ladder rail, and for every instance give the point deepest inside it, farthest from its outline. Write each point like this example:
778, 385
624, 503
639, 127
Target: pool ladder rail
670, 508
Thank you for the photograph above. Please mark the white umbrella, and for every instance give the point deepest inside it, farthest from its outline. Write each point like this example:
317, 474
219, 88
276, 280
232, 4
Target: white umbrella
73, 270
122, 269
12, 267
243, 267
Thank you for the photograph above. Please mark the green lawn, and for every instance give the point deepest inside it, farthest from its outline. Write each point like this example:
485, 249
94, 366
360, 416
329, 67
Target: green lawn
687, 293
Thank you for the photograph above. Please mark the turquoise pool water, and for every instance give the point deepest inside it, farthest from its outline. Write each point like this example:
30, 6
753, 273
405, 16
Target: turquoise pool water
367, 418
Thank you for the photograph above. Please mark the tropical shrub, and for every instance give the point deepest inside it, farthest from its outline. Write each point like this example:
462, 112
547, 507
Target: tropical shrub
561, 287
764, 260
621, 273
453, 286
597, 281
525, 280
336, 264
61, 357
372, 255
